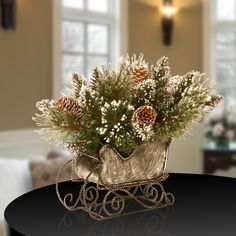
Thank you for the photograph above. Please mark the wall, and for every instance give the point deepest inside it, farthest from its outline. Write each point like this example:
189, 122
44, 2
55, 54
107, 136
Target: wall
185, 53
25, 64
145, 35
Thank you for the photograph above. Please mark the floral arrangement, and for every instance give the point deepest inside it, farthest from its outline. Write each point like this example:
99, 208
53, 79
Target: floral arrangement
221, 127
125, 107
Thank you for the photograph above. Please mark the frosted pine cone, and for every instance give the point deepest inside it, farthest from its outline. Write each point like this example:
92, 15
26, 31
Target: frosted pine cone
144, 115
139, 74
71, 105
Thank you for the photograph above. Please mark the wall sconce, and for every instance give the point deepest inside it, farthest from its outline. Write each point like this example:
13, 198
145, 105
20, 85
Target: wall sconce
8, 8
168, 11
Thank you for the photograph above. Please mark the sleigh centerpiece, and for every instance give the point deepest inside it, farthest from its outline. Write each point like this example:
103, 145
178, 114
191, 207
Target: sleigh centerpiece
119, 125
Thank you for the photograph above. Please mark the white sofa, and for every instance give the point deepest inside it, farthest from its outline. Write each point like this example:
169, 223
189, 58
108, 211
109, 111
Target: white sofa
15, 180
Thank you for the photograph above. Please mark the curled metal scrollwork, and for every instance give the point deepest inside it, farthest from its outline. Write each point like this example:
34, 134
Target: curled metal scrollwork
102, 202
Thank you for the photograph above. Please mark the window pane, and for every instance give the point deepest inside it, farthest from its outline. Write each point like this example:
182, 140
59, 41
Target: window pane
229, 98
73, 3
71, 64
225, 10
98, 5
72, 36
95, 62
226, 45
226, 75
97, 38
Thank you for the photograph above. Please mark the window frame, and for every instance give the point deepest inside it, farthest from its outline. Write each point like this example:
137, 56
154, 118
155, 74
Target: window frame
210, 29
117, 22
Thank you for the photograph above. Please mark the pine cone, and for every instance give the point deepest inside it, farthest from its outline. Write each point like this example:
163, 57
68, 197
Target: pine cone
144, 115
139, 74
71, 105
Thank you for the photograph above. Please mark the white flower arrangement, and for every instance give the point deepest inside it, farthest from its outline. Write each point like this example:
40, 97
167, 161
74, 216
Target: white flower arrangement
220, 126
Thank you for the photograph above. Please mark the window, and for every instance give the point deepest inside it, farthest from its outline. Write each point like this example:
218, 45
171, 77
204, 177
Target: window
86, 33
87, 30
223, 53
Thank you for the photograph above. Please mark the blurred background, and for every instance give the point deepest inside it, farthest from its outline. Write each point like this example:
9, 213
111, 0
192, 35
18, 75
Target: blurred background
43, 41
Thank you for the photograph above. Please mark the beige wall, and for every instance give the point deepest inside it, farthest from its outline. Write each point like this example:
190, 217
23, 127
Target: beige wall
145, 35
25, 64
185, 53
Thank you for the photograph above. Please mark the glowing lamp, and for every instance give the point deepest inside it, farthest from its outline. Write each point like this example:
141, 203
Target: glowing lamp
168, 11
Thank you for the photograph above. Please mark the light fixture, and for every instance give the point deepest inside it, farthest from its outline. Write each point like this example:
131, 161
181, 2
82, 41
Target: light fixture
168, 11
8, 14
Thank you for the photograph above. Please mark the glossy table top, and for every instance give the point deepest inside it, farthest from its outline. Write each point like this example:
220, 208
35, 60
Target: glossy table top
204, 205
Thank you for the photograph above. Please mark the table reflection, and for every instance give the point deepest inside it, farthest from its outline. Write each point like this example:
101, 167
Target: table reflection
149, 223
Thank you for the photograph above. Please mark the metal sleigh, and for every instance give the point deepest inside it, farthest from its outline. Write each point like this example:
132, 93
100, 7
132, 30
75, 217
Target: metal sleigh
111, 186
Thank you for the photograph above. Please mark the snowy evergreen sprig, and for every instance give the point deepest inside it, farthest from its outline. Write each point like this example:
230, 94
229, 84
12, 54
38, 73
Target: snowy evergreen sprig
135, 103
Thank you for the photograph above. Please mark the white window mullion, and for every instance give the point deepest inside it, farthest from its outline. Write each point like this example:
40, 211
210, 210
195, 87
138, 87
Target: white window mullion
86, 53
85, 5
109, 46
87, 16
86, 50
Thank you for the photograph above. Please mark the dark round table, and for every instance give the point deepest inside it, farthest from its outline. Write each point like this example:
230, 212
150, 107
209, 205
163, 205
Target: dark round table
205, 205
